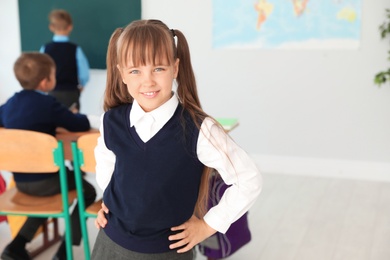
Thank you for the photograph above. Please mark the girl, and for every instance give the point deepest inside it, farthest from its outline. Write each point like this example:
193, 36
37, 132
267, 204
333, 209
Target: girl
154, 148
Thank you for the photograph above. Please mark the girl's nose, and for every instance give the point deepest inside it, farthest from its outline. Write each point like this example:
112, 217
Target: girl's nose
148, 80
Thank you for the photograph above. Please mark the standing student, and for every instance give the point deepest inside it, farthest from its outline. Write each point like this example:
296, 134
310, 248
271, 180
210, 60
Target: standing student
154, 148
72, 65
33, 109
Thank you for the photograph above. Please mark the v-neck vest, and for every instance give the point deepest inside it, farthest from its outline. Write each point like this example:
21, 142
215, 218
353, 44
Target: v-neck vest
155, 184
64, 55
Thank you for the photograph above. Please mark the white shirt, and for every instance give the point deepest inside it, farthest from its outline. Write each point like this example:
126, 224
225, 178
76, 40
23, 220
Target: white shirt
215, 149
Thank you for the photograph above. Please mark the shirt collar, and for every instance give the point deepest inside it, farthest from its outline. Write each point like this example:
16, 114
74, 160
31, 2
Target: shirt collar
41, 92
60, 38
161, 114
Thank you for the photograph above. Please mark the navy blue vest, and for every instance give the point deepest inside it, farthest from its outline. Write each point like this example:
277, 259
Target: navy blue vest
154, 185
64, 55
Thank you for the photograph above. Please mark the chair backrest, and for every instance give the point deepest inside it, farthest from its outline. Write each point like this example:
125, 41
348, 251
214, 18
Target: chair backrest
29, 151
25, 151
85, 151
84, 160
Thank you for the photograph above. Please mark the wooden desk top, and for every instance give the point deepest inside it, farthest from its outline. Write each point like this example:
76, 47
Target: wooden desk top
67, 137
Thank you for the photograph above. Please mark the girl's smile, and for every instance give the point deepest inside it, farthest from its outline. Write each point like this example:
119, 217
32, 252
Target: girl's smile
150, 94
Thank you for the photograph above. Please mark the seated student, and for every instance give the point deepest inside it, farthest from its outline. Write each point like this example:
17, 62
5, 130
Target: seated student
33, 109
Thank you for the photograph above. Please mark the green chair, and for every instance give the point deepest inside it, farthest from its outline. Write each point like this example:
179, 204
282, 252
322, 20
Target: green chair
29, 152
84, 161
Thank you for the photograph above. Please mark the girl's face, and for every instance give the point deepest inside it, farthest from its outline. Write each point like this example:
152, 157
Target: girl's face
150, 85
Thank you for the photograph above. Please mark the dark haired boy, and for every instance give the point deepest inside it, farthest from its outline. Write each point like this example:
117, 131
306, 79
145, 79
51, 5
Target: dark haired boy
33, 109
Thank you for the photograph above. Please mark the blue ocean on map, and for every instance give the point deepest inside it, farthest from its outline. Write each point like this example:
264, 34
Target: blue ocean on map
286, 24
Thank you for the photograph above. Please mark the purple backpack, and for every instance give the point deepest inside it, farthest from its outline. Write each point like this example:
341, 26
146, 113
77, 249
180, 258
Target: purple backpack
223, 245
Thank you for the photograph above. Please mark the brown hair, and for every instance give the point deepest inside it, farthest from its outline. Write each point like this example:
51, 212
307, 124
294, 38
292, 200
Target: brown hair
32, 67
60, 19
145, 41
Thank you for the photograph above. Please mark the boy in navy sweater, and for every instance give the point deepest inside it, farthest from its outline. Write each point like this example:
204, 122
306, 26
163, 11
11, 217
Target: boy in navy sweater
33, 109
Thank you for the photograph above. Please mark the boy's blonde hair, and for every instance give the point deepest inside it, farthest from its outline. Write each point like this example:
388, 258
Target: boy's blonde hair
32, 67
60, 19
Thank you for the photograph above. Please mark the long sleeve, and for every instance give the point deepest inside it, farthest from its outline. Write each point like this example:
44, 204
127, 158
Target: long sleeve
63, 117
82, 66
105, 160
217, 150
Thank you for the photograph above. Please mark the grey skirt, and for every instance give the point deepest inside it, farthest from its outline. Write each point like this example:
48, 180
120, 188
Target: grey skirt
105, 248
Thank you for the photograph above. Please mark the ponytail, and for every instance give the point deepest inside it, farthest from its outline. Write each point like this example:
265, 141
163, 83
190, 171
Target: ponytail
187, 90
189, 98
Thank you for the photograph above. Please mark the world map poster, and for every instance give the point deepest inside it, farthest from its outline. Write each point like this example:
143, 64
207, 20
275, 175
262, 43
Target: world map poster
286, 24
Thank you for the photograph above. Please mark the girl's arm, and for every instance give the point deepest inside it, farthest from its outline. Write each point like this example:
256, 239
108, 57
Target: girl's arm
217, 150
105, 160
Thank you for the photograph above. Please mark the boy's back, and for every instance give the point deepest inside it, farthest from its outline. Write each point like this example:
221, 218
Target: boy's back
32, 110
72, 64
64, 55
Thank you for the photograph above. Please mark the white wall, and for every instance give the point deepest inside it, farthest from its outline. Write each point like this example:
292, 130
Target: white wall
300, 111
9, 47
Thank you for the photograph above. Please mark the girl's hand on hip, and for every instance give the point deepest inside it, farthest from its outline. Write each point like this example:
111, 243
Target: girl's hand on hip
101, 221
193, 231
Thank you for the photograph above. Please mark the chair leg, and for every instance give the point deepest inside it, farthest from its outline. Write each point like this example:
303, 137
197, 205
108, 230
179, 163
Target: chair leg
45, 234
47, 242
56, 234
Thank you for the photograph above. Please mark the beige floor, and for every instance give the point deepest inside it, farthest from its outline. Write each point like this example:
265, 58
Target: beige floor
306, 218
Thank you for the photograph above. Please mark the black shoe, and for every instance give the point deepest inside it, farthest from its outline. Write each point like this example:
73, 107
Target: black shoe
20, 254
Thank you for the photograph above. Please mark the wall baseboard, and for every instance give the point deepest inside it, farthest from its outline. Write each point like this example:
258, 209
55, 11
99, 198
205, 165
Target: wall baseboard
331, 168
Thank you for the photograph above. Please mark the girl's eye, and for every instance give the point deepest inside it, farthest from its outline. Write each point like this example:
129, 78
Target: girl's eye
158, 69
133, 72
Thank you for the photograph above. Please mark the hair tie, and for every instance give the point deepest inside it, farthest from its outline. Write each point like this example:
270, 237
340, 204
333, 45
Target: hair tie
173, 32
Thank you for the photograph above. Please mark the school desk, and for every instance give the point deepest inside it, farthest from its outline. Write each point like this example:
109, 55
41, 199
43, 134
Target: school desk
228, 123
67, 137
